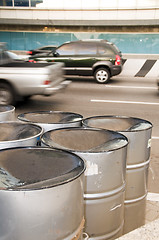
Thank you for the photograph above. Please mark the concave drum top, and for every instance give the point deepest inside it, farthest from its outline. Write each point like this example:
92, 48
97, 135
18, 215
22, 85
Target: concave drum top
36, 168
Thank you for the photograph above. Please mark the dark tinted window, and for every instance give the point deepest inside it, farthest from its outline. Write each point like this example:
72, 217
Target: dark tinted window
35, 2
66, 49
6, 3
44, 48
48, 48
21, 3
86, 48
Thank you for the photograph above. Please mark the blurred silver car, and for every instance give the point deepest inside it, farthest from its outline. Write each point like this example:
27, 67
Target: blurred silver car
19, 78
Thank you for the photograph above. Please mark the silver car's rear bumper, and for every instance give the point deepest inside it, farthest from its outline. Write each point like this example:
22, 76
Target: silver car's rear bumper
51, 90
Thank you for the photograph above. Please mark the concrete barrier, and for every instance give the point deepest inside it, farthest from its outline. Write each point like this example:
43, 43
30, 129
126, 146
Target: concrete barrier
137, 65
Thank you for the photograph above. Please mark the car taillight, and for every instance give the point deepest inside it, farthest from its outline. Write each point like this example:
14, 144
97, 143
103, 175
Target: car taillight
29, 52
118, 60
31, 60
47, 82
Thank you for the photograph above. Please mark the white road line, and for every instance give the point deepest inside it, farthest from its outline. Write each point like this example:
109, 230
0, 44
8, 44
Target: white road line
153, 197
125, 102
155, 138
131, 87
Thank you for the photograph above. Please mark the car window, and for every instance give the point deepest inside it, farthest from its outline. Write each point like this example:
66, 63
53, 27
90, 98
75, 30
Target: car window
116, 48
86, 48
51, 48
66, 49
105, 50
4, 57
47, 48
50, 54
13, 55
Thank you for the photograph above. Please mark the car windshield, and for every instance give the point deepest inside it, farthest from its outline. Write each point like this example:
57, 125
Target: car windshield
5, 58
13, 55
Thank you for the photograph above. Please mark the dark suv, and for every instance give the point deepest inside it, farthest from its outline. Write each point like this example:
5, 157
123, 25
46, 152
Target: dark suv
98, 58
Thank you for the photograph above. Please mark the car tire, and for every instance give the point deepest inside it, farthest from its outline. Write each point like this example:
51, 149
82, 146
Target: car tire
102, 75
7, 96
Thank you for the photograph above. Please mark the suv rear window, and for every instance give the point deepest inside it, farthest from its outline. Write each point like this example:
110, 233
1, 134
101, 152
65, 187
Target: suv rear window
105, 50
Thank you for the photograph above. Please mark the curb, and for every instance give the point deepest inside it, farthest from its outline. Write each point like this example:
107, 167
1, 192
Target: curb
146, 232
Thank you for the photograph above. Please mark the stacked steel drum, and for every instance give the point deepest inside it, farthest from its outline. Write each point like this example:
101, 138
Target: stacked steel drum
68, 178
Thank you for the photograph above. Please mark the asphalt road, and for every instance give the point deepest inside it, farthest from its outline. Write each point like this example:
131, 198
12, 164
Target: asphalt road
124, 96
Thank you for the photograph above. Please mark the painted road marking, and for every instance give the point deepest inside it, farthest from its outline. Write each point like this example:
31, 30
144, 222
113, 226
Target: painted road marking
153, 197
125, 102
155, 138
131, 87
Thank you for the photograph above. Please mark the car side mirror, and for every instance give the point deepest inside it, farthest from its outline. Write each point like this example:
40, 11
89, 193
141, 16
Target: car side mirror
56, 54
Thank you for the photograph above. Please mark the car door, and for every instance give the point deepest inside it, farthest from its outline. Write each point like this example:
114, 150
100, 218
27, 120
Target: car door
66, 54
86, 56
78, 57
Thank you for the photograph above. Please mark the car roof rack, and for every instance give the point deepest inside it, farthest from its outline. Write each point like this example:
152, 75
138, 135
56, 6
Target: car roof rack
89, 40
96, 40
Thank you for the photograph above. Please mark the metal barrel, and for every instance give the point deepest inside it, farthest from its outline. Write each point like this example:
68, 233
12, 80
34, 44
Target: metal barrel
18, 134
104, 153
7, 113
41, 194
49, 120
138, 131
85, 236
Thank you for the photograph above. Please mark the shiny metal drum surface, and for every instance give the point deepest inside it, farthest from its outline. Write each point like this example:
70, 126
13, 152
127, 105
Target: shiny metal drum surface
49, 120
104, 153
105, 215
41, 194
18, 134
7, 113
134, 214
138, 132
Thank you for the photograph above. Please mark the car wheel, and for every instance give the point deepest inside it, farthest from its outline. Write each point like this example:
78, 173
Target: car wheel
7, 96
102, 75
